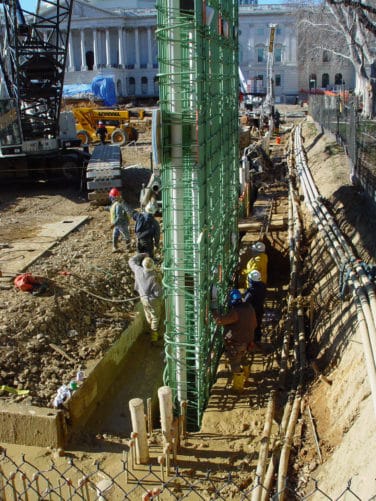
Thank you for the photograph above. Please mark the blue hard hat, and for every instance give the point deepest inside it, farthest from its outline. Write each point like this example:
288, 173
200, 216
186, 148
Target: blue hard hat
235, 296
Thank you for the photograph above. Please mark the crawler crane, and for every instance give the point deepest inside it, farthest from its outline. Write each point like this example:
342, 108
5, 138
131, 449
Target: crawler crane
35, 138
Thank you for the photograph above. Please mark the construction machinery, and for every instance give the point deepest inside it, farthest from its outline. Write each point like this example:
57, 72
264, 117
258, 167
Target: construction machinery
117, 123
35, 138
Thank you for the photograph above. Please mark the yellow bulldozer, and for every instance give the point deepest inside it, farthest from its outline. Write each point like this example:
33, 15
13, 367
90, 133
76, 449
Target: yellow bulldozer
117, 123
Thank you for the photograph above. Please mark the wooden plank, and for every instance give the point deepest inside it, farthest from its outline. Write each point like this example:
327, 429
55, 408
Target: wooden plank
22, 253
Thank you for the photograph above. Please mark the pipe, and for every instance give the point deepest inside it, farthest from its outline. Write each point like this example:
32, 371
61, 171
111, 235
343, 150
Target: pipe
285, 452
362, 289
263, 455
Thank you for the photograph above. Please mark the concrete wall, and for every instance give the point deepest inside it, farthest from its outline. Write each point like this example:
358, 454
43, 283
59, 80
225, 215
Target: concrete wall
42, 427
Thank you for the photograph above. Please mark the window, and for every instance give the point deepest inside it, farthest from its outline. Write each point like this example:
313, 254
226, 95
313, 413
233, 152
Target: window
260, 54
338, 79
278, 30
278, 54
260, 31
131, 86
144, 85
325, 80
277, 80
312, 81
325, 56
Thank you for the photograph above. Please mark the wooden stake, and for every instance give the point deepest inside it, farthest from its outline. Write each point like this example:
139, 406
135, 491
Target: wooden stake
136, 407
165, 409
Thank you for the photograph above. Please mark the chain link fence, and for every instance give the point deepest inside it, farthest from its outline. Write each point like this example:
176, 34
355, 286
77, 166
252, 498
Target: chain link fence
68, 480
341, 115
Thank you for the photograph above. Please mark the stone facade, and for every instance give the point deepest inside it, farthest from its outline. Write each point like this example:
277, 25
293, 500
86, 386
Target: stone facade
106, 39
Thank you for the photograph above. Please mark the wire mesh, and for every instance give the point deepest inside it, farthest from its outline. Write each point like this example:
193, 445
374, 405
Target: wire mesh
341, 115
197, 46
69, 480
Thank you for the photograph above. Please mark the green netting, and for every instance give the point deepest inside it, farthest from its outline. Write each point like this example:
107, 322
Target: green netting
198, 81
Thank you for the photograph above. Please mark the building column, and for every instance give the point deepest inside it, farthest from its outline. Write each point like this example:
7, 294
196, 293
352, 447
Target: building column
70, 53
83, 54
121, 47
150, 50
108, 52
95, 49
137, 48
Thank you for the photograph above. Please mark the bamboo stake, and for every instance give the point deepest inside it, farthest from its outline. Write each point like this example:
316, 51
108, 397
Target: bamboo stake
319, 375
149, 416
285, 453
314, 433
183, 414
161, 461
165, 408
136, 407
263, 455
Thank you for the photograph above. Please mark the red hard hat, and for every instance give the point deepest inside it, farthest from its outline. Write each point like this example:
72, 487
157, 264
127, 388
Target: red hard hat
114, 193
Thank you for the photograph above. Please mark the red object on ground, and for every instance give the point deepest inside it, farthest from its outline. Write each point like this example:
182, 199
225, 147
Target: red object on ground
26, 282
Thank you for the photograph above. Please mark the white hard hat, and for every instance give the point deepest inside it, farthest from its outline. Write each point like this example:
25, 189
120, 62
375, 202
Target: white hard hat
259, 247
150, 208
255, 276
148, 264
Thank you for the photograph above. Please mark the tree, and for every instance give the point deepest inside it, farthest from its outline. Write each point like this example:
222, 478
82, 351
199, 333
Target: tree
346, 29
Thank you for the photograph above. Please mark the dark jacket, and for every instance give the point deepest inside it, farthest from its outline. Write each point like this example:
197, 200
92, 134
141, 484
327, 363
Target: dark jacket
146, 227
240, 323
255, 294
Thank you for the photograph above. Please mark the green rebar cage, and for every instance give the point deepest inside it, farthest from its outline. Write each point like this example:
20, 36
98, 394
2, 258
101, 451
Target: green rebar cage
198, 82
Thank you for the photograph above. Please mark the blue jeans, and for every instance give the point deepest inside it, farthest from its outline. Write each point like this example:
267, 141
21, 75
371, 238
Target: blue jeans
120, 230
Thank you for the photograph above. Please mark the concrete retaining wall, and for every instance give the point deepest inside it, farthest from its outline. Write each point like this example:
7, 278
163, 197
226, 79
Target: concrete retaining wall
37, 426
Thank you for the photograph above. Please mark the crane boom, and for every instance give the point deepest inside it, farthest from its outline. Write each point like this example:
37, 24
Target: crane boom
32, 59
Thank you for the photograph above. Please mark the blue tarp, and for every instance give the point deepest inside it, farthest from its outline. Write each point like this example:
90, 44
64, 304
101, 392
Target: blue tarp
102, 87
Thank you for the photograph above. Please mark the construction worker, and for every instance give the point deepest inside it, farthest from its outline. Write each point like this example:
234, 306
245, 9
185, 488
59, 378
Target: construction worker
148, 285
119, 219
240, 323
258, 261
147, 229
101, 132
255, 295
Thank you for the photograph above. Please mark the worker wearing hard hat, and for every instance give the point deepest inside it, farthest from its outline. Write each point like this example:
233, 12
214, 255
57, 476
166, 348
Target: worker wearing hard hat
147, 229
148, 285
101, 132
258, 261
255, 295
119, 219
239, 325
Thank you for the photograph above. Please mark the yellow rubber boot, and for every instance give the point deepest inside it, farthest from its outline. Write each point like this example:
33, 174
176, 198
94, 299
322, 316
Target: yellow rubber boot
246, 372
238, 381
154, 336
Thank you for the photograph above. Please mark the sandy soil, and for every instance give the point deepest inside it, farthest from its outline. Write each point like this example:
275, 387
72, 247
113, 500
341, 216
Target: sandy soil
231, 431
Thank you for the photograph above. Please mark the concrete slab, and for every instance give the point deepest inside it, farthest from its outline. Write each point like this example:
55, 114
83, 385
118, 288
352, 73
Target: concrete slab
19, 254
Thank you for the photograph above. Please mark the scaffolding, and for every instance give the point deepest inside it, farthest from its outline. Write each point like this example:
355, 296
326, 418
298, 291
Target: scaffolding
198, 80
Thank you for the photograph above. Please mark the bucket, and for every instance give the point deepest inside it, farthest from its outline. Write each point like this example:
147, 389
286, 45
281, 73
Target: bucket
278, 140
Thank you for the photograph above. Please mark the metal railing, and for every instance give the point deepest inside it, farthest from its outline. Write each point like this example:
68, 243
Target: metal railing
341, 115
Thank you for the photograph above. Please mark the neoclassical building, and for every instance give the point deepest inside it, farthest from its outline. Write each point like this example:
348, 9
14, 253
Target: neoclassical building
108, 39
